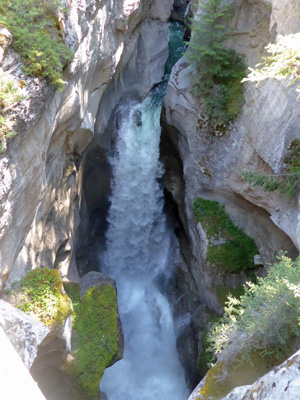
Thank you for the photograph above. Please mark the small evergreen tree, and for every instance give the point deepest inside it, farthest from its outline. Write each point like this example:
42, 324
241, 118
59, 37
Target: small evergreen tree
219, 70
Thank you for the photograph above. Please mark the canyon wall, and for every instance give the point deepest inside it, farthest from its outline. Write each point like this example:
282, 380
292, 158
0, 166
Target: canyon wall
120, 47
207, 163
257, 141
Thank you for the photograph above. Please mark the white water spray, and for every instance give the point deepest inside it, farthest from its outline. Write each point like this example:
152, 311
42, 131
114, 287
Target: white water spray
138, 249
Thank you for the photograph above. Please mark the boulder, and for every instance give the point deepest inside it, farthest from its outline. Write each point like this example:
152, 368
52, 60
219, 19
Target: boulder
24, 332
15, 380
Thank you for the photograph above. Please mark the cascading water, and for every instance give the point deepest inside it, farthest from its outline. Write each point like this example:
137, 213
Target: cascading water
138, 252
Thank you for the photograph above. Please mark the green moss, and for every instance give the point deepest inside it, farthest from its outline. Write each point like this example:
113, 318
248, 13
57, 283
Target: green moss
43, 296
95, 322
238, 251
37, 37
222, 378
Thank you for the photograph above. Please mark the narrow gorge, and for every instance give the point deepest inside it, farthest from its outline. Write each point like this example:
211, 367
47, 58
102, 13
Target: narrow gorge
140, 190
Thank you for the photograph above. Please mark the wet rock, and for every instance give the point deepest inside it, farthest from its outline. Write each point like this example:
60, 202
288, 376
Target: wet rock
94, 279
137, 117
179, 10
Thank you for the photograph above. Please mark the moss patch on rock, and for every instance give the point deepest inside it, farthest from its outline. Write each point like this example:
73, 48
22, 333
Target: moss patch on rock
238, 250
42, 296
221, 379
95, 322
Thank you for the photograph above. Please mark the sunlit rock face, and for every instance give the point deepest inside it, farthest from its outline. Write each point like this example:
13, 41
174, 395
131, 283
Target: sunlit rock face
281, 383
41, 169
257, 141
24, 332
16, 382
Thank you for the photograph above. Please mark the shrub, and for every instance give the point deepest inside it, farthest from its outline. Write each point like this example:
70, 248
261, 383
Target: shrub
37, 37
9, 97
238, 251
43, 296
265, 318
219, 70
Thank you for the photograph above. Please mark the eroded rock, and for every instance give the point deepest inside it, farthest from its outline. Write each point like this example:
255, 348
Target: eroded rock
24, 332
282, 382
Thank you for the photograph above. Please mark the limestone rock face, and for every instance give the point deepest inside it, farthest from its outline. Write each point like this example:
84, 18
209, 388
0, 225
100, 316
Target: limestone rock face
257, 141
281, 383
24, 332
119, 46
16, 382
5, 40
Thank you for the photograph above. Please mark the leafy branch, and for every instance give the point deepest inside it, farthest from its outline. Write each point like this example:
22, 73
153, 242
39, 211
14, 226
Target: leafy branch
284, 61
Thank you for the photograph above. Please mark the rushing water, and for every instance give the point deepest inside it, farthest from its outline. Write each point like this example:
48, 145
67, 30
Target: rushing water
138, 252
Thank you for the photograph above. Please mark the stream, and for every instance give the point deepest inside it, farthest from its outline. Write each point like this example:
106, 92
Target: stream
139, 252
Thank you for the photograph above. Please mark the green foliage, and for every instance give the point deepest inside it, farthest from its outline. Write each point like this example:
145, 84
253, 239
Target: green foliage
219, 70
223, 292
43, 296
206, 357
265, 318
287, 182
95, 322
9, 97
37, 37
239, 249
284, 61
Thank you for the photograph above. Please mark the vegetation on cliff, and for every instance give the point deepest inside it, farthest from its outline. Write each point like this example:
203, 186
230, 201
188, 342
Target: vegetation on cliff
43, 296
219, 70
96, 334
237, 250
9, 96
37, 37
283, 61
266, 318
287, 182
257, 332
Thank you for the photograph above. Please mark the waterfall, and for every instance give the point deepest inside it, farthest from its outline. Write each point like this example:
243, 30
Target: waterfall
138, 252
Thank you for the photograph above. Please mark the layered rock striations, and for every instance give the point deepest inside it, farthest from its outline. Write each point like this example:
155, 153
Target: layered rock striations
120, 49
119, 46
207, 163
258, 141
